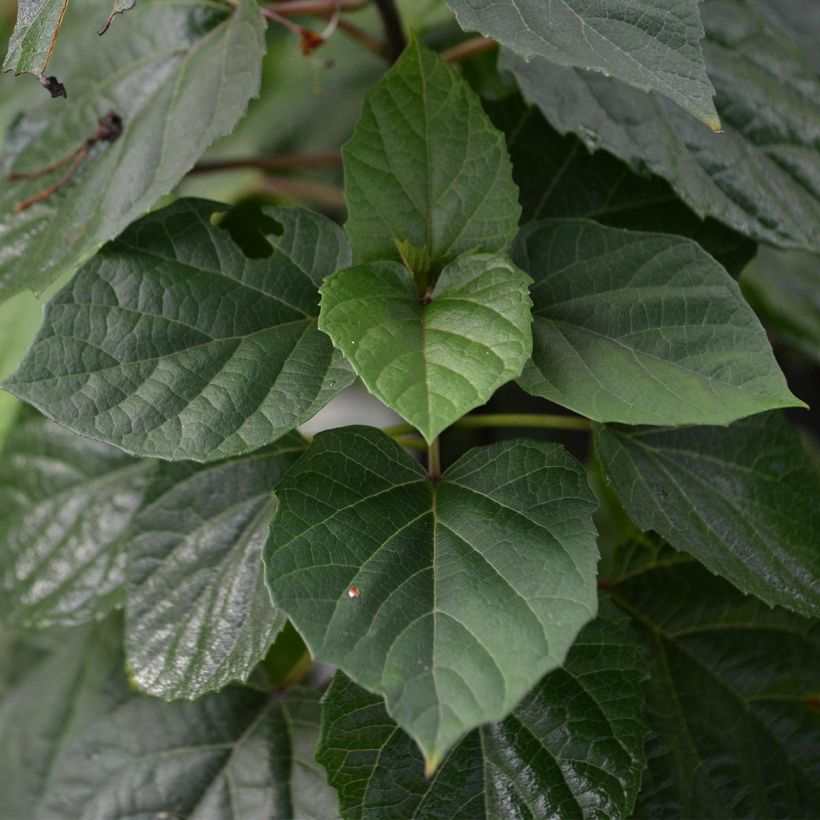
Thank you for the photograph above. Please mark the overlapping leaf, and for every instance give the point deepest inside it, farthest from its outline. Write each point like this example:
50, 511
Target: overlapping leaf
745, 501
451, 599
64, 504
431, 358
171, 342
558, 176
79, 743
34, 36
198, 613
427, 169
761, 176
732, 697
642, 328
179, 76
572, 747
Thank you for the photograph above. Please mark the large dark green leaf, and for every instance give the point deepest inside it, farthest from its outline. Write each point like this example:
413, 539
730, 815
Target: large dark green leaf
744, 500
761, 176
432, 359
426, 168
198, 613
784, 289
179, 74
732, 699
642, 328
573, 747
79, 744
171, 342
34, 35
653, 46
453, 598
64, 503
558, 176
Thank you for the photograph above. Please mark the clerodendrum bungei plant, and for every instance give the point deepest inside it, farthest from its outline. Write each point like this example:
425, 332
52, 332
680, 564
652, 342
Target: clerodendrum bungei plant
572, 568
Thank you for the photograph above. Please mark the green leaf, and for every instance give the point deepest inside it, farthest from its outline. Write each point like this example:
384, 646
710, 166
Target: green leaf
557, 176
198, 613
172, 343
426, 167
431, 359
732, 698
760, 177
452, 598
642, 328
572, 747
80, 744
64, 503
119, 7
35, 33
742, 500
652, 46
180, 75
784, 290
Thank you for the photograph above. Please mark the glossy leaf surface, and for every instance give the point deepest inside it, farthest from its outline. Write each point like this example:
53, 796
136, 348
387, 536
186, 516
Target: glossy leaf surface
172, 343
198, 613
452, 599
642, 328
572, 747
431, 358
425, 167
744, 500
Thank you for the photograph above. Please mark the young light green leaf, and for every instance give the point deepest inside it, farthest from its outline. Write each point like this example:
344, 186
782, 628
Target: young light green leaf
761, 176
732, 697
745, 501
171, 342
652, 46
198, 614
573, 747
431, 358
558, 176
425, 167
119, 7
34, 36
179, 76
659, 331
452, 599
79, 743
64, 503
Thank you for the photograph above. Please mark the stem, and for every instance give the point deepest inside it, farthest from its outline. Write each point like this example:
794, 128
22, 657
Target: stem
434, 461
327, 196
524, 420
410, 441
467, 49
362, 37
393, 30
284, 163
296, 8
399, 430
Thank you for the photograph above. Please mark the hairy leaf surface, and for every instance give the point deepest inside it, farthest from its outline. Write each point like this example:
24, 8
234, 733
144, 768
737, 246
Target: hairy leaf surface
572, 747
35, 33
431, 358
172, 343
744, 500
64, 504
464, 593
198, 613
732, 697
642, 328
425, 167
179, 75
761, 176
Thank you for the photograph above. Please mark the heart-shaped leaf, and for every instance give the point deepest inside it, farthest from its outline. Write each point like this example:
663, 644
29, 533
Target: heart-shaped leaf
171, 342
64, 504
431, 358
642, 328
426, 168
573, 747
450, 598
743, 500
179, 75
198, 613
